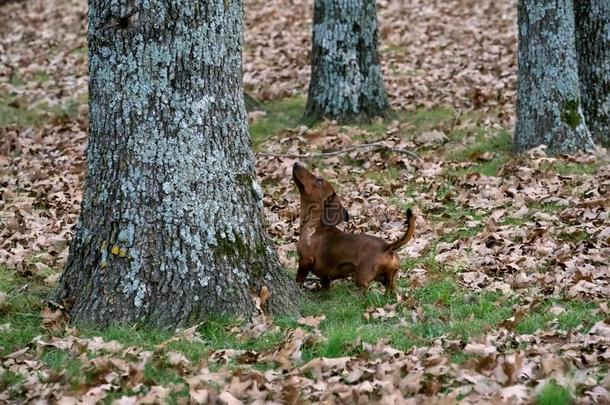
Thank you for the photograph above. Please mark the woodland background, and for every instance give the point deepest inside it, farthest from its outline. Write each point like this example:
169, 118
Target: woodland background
503, 294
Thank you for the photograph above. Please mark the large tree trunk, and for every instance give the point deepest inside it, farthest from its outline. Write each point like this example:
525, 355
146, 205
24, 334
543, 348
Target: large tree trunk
171, 228
346, 82
549, 107
593, 47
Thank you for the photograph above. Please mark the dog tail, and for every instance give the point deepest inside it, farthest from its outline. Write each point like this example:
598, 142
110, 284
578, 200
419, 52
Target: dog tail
393, 247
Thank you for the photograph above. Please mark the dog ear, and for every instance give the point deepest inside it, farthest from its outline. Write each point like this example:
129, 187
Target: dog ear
334, 212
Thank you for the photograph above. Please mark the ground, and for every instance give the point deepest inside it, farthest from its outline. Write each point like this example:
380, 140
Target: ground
503, 293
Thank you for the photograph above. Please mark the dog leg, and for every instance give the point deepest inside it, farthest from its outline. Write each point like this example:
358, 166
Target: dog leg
303, 271
390, 282
365, 273
392, 275
363, 280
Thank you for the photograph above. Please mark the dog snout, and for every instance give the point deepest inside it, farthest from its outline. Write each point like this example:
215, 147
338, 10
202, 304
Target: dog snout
298, 170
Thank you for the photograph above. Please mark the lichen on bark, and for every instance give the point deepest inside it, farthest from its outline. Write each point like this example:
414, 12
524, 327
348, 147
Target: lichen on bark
549, 109
346, 79
593, 48
170, 180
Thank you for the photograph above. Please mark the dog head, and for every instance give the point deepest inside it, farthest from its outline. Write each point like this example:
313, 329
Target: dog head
319, 201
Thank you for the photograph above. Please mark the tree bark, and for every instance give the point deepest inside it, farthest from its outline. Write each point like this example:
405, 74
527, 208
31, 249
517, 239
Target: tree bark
549, 107
346, 81
171, 228
593, 47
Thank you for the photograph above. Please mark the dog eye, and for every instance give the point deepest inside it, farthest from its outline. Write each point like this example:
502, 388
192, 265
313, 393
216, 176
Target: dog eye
319, 181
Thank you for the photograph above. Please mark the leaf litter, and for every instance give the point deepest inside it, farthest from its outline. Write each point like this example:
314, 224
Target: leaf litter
526, 231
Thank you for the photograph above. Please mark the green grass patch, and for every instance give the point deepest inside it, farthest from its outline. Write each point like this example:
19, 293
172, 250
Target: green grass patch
421, 120
455, 216
390, 47
576, 314
344, 307
13, 111
554, 394
17, 80
426, 261
377, 126
281, 114
564, 168
82, 50
385, 177
491, 167
440, 292
549, 207
60, 361
11, 384
443, 308
499, 145
515, 221
24, 299
42, 77
450, 310
576, 236
426, 120
215, 334
447, 309
462, 233
22, 329
68, 110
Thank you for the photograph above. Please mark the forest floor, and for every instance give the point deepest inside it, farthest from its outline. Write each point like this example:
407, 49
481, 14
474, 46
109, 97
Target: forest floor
503, 293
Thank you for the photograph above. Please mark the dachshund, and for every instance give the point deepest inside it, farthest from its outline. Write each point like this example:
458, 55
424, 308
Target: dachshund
331, 254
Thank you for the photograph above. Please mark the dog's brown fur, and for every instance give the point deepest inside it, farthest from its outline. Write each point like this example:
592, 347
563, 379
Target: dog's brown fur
332, 254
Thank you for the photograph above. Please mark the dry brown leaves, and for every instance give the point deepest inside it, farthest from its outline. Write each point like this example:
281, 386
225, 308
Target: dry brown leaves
499, 371
43, 69
456, 52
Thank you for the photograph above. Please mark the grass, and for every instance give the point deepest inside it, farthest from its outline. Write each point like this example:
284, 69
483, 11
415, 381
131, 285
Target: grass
13, 111
442, 305
549, 207
554, 394
452, 311
448, 309
454, 216
577, 314
288, 113
20, 308
9, 379
420, 120
564, 168
392, 174
281, 114
426, 120
499, 146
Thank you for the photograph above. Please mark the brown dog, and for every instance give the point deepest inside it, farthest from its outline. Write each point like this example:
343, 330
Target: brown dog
332, 254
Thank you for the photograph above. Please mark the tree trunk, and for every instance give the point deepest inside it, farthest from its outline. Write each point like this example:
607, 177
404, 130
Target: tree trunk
593, 47
549, 107
171, 228
346, 82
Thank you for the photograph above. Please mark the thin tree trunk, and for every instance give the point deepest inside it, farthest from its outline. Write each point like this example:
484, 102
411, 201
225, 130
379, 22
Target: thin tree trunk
549, 107
593, 47
346, 81
171, 228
